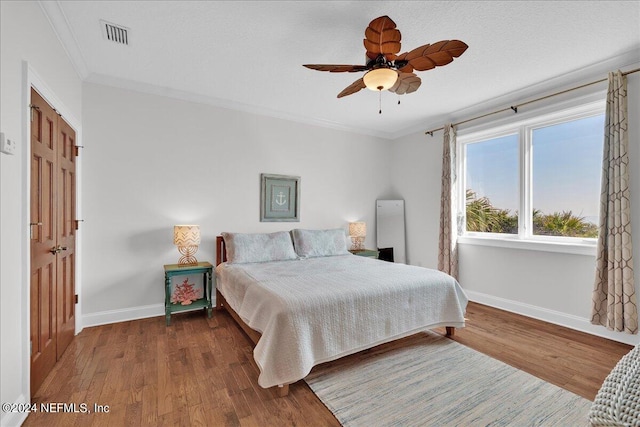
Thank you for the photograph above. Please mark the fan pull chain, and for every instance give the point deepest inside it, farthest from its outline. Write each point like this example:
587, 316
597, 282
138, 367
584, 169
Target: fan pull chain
380, 102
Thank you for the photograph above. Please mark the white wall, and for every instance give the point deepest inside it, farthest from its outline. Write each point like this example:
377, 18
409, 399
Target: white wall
25, 35
552, 286
416, 171
150, 162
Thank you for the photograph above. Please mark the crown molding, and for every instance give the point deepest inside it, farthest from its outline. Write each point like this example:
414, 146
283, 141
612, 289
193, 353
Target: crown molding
151, 89
60, 25
575, 78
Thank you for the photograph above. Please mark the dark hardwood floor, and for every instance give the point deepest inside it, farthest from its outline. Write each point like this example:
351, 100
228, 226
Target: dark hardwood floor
198, 372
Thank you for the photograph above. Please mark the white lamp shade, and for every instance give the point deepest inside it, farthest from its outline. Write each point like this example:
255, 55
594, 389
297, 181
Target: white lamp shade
380, 78
357, 229
186, 235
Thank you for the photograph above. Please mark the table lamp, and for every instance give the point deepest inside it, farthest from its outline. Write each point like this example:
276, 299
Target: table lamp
187, 239
357, 232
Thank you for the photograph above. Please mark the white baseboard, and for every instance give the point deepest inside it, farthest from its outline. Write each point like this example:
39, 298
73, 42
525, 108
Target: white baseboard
122, 315
15, 419
552, 316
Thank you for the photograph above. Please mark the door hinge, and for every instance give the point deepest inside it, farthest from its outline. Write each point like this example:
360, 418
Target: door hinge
31, 108
77, 149
31, 348
76, 298
78, 221
31, 224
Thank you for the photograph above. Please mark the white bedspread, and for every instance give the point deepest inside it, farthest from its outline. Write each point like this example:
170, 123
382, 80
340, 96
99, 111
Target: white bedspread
311, 311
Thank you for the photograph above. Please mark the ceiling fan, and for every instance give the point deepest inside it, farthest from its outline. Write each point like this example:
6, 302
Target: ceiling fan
385, 69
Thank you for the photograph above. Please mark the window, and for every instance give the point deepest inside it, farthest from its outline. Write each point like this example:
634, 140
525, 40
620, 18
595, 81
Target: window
491, 191
567, 159
535, 180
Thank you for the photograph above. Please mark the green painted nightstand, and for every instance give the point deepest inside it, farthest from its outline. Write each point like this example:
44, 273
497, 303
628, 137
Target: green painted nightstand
369, 253
196, 287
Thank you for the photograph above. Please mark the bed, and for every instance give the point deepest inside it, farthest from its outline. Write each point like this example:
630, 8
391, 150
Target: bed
303, 299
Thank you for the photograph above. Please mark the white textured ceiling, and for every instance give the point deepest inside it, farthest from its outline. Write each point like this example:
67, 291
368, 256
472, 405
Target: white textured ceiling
249, 54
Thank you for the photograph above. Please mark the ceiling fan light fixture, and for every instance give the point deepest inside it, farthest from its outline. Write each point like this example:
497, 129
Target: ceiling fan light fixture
380, 79
387, 68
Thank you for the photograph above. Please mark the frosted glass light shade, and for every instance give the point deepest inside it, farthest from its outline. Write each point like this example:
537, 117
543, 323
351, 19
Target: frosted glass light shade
380, 78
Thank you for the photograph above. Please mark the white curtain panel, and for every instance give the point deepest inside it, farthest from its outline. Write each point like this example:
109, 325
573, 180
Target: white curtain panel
614, 294
447, 246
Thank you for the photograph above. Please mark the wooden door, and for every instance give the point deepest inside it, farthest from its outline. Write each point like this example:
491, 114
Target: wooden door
66, 235
52, 231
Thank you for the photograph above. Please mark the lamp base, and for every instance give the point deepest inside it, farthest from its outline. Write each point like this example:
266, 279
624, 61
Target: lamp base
357, 243
187, 253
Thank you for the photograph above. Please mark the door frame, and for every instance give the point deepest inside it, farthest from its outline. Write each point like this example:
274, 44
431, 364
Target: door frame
31, 79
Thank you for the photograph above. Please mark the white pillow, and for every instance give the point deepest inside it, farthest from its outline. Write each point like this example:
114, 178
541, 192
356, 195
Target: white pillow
258, 247
317, 243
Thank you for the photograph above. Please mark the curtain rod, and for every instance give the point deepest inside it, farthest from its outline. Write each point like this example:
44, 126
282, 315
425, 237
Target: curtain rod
514, 108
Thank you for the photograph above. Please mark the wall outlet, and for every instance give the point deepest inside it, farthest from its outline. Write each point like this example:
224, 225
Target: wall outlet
7, 146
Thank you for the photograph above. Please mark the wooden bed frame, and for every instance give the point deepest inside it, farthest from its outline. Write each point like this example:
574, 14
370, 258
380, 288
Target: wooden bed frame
254, 336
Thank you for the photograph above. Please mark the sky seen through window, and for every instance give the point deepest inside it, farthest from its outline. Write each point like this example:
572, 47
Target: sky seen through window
566, 168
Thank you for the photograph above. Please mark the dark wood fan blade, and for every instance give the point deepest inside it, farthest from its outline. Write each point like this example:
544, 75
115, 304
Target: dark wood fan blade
407, 68
333, 68
407, 83
432, 55
352, 88
382, 37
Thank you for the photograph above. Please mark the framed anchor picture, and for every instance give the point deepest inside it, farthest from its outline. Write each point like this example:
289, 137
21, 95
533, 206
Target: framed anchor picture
279, 198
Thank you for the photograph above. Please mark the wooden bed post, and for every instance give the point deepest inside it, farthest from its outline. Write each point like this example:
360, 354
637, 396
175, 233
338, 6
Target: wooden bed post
451, 331
221, 251
283, 390
219, 299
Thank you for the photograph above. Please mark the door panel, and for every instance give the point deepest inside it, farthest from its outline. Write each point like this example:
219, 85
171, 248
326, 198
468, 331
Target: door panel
52, 286
43, 239
66, 235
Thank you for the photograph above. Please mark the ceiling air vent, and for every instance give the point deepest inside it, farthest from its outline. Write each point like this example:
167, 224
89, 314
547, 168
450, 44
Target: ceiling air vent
115, 33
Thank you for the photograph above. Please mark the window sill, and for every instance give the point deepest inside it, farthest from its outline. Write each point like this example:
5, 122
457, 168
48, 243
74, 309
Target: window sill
576, 248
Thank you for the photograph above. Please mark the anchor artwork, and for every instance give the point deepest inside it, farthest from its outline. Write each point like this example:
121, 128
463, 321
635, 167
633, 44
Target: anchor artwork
279, 198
